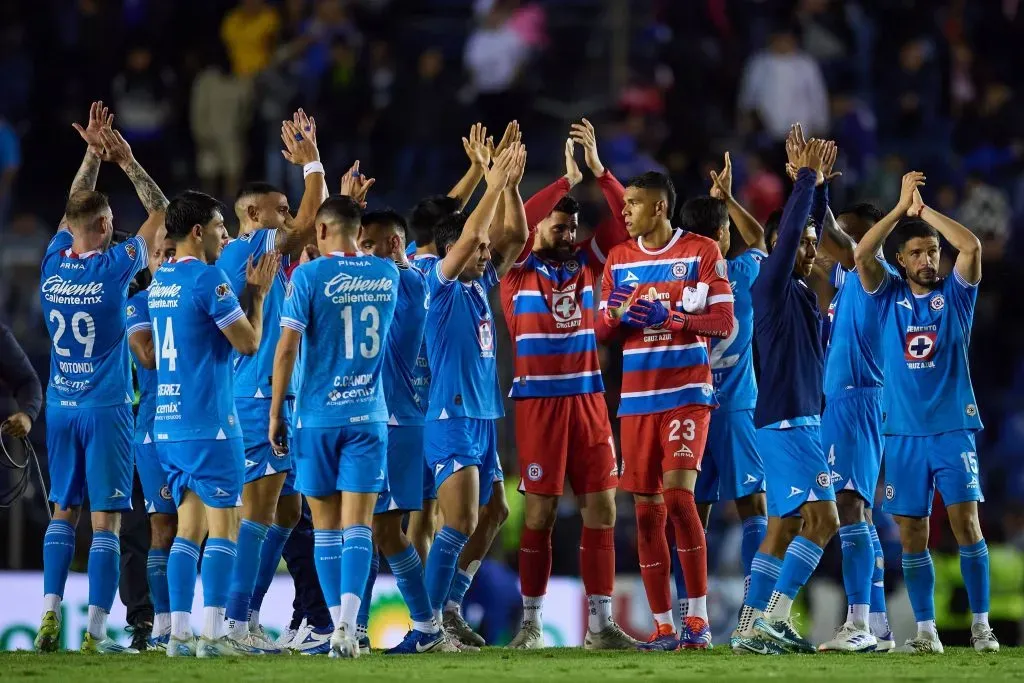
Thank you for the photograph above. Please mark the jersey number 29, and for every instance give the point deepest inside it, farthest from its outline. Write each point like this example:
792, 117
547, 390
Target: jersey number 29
82, 327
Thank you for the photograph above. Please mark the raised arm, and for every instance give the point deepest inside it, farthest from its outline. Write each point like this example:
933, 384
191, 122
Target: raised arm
778, 267
299, 138
870, 271
89, 171
246, 333
480, 149
968, 261
517, 231
474, 233
152, 198
543, 202
608, 232
721, 187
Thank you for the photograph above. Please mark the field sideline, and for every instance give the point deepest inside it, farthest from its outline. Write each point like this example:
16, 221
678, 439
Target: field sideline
493, 665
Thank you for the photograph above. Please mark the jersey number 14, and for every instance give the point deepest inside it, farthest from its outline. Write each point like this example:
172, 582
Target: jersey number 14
163, 345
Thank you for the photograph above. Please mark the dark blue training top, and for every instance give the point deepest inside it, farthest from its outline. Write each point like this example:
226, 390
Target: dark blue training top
787, 325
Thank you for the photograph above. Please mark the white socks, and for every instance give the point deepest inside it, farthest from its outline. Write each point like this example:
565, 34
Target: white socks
980, 619
97, 622
698, 607
927, 627
51, 603
161, 624
779, 606
533, 609
859, 615
213, 622
600, 612
181, 627
350, 610
664, 618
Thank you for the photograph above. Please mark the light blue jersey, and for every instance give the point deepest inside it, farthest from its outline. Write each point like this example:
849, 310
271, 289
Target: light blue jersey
189, 304
344, 305
461, 346
84, 298
253, 373
732, 358
924, 346
852, 358
421, 374
405, 340
137, 314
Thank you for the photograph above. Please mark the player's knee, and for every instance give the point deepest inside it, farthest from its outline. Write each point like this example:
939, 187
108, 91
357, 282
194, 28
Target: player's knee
754, 505
106, 521
541, 512
162, 529
850, 506
913, 533
965, 523
821, 522
289, 510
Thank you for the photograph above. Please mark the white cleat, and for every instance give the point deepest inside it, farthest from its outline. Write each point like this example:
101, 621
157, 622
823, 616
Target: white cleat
184, 647
886, 642
611, 637
849, 638
225, 647
529, 637
924, 643
344, 644
983, 639
258, 641
288, 635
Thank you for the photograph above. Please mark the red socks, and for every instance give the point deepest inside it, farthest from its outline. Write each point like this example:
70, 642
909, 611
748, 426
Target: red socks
655, 561
690, 542
597, 561
535, 562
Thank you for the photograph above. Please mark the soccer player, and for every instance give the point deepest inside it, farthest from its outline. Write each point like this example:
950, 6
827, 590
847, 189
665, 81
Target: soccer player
383, 234
163, 517
341, 306
663, 294
84, 291
734, 471
931, 413
787, 328
196, 322
465, 400
562, 426
270, 504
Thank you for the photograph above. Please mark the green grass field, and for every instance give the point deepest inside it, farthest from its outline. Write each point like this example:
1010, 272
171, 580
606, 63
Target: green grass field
494, 665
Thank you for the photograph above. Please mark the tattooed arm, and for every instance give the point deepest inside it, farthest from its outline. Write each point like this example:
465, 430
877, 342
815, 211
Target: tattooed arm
85, 179
152, 198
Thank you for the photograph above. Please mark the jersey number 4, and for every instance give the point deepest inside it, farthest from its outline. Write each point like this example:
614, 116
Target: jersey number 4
83, 327
370, 347
163, 345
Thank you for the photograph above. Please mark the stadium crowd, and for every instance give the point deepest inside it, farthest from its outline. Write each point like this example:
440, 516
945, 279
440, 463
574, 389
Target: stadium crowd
897, 85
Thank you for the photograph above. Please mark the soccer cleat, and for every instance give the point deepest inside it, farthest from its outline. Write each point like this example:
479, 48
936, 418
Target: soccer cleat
418, 642
611, 637
454, 623
158, 642
784, 634
289, 634
344, 644
983, 639
453, 639
886, 642
924, 643
256, 641
752, 644
363, 638
664, 639
312, 641
696, 634
849, 638
181, 648
48, 638
225, 647
530, 637
140, 635
93, 645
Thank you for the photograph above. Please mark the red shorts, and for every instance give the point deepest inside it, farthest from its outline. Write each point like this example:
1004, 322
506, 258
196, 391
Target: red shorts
563, 436
656, 443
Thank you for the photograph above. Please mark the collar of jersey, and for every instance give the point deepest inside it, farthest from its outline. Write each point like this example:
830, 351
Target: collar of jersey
344, 254
671, 243
71, 254
183, 259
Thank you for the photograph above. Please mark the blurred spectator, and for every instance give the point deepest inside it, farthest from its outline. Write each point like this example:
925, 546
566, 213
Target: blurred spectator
764, 191
343, 84
827, 36
276, 96
854, 128
220, 115
23, 247
494, 56
15, 74
781, 85
911, 98
986, 212
142, 94
249, 32
10, 161
330, 24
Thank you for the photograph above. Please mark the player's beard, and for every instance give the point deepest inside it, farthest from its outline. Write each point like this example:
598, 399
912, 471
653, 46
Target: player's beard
928, 281
557, 252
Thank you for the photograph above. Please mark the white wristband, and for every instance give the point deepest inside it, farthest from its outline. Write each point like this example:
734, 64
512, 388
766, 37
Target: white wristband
312, 167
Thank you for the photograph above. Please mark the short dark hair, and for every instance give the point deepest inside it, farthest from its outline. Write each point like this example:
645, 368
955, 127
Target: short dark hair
188, 209
256, 188
426, 214
909, 228
771, 226
340, 208
85, 204
567, 205
865, 211
388, 217
447, 231
652, 180
704, 216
